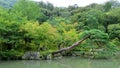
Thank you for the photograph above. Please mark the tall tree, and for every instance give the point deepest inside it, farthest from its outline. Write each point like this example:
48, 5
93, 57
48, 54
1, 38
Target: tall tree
28, 9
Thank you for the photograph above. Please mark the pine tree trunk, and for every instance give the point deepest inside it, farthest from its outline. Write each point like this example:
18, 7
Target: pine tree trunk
72, 46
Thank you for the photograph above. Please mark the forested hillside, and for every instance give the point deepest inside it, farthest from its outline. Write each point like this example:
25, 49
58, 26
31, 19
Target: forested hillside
42, 27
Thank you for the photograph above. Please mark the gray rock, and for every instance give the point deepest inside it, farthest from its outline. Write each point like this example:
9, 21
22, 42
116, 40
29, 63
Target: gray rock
49, 57
31, 55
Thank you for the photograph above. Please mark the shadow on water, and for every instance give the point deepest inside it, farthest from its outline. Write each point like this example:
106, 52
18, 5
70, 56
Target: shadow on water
66, 62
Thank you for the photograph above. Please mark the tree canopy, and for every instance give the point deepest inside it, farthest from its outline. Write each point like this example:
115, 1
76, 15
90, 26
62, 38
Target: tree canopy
42, 27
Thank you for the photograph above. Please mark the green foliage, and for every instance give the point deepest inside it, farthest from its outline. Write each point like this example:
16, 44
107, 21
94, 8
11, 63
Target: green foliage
11, 36
69, 37
31, 26
113, 17
98, 43
12, 54
114, 31
96, 34
97, 39
40, 35
89, 20
28, 9
107, 6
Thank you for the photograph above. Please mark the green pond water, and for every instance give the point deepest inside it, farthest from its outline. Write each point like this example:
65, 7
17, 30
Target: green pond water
66, 62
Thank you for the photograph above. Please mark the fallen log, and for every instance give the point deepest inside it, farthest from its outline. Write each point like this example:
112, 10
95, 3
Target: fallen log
72, 46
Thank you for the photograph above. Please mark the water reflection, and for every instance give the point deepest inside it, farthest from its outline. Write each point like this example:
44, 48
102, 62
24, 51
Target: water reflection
67, 62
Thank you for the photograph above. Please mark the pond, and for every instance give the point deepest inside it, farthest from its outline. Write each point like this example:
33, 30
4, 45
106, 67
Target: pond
66, 62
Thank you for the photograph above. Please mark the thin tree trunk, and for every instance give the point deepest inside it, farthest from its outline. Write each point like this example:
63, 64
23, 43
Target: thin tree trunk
72, 46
